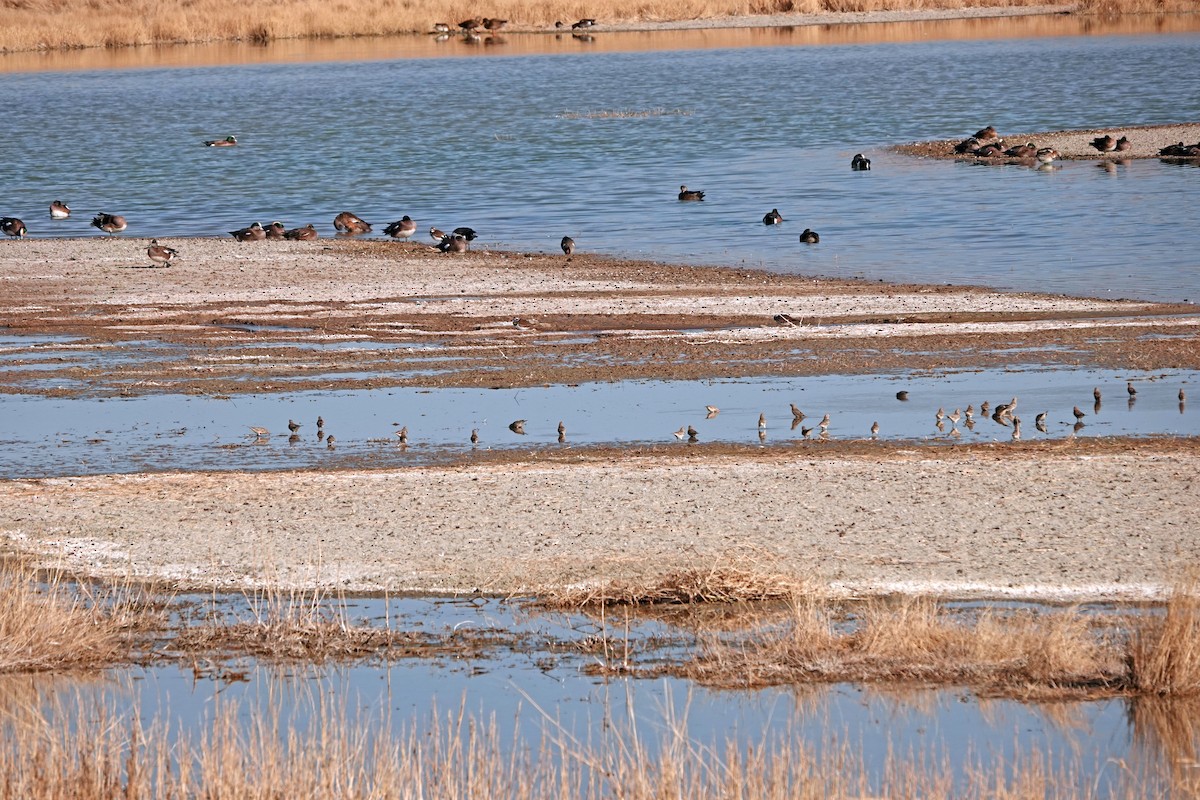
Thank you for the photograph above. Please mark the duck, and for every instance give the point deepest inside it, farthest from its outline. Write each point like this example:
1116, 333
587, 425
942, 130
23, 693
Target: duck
441, 27
228, 141
994, 150
860, 163
1123, 144
968, 145
1105, 143
492, 24
253, 233
468, 25
59, 210
453, 244
307, 233
347, 222
690, 194
810, 236
276, 230
568, 245
437, 234
109, 223
159, 254
402, 228
984, 134
467, 233
772, 217
1046, 155
1027, 150
13, 227
1174, 150
586, 22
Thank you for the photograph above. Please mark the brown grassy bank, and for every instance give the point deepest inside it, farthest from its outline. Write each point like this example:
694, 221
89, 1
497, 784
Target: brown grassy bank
59, 24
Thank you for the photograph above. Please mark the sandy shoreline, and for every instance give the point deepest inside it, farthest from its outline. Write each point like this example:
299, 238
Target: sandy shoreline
1066, 520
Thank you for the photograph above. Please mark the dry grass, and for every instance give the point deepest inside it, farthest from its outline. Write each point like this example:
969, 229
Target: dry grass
49, 623
245, 752
717, 584
59, 24
1164, 652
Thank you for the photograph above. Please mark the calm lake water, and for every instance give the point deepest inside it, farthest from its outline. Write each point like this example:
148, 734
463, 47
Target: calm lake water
512, 147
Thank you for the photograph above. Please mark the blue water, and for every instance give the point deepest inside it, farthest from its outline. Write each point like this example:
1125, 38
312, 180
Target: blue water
487, 143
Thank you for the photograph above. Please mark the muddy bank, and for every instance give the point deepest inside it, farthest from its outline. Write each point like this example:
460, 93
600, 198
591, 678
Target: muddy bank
1145, 141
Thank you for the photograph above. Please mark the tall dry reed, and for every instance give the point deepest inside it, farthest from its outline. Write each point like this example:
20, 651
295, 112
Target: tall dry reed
60, 24
1164, 652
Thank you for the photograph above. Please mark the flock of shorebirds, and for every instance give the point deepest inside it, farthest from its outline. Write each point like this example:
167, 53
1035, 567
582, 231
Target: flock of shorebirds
1002, 413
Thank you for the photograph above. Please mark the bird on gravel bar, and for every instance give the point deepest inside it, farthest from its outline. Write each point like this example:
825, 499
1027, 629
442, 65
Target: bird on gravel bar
159, 254
467, 233
453, 244
276, 230
1105, 143
13, 226
984, 134
305, 234
253, 233
568, 245
402, 228
437, 234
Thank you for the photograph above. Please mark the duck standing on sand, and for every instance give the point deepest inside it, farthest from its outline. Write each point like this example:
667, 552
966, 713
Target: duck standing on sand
59, 210
690, 194
159, 254
13, 227
109, 223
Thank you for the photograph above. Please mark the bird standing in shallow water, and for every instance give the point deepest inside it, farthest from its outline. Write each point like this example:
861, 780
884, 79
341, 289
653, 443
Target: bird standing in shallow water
762, 421
1079, 415
402, 228
402, 435
160, 255
679, 434
347, 222
690, 194
796, 413
475, 436
517, 426
568, 245
1129, 387
293, 426
874, 429
259, 432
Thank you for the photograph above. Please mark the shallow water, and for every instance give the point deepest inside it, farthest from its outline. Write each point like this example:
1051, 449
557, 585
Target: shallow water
511, 147
544, 686
185, 432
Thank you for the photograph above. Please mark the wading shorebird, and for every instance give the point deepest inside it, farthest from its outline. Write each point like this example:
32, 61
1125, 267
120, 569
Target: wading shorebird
160, 255
475, 436
762, 421
568, 245
293, 426
402, 435
1079, 415
1129, 387
59, 210
874, 429
517, 426
259, 432
796, 413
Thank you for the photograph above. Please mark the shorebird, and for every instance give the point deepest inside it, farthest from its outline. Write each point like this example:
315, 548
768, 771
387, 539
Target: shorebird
941, 414
59, 210
772, 217
568, 245
711, 411
402, 228
874, 429
902, 396
954, 416
13, 226
679, 434
259, 432
109, 223
860, 163
305, 234
805, 431
276, 230
293, 426
824, 423
796, 413
517, 426
253, 233
475, 436
228, 141
1096, 393
469, 25
985, 407
692, 433
762, 421
562, 430
160, 255
436, 234
1182, 396
690, 194
1105, 143
329, 440
402, 435
347, 222
970, 412
1078, 414
1016, 431
320, 422
441, 27
809, 236
1040, 421
1129, 387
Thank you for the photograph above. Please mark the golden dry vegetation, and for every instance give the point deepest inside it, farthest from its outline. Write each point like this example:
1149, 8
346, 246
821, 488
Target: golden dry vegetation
63, 24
